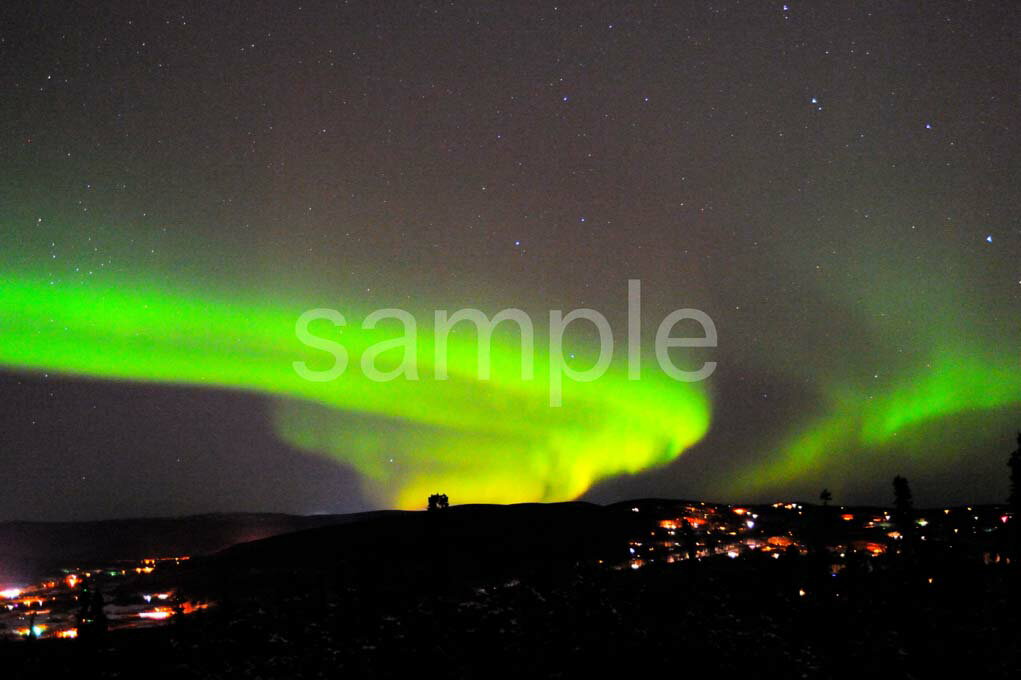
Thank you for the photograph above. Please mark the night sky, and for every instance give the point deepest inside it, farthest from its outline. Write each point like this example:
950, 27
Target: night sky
835, 184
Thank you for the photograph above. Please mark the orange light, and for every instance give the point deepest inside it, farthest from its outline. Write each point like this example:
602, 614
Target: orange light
71, 580
847, 517
159, 613
69, 633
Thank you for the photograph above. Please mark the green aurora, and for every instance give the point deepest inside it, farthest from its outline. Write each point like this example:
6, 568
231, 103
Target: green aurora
858, 425
494, 440
498, 440
938, 378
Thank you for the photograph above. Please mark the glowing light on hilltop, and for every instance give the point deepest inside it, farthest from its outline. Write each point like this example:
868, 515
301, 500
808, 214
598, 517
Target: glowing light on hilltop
485, 441
71, 580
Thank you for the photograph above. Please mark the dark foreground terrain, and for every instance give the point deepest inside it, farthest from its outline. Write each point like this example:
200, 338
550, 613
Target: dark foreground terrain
553, 591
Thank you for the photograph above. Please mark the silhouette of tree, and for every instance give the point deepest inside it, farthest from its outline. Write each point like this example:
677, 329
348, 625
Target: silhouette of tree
902, 500
84, 599
819, 542
92, 622
824, 520
903, 510
710, 540
438, 501
97, 613
690, 540
691, 548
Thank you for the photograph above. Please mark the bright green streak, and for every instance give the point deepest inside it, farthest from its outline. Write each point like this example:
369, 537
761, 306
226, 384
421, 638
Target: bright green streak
862, 424
478, 441
930, 370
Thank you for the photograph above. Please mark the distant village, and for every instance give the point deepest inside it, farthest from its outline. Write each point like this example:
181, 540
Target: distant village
697, 530
112, 596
